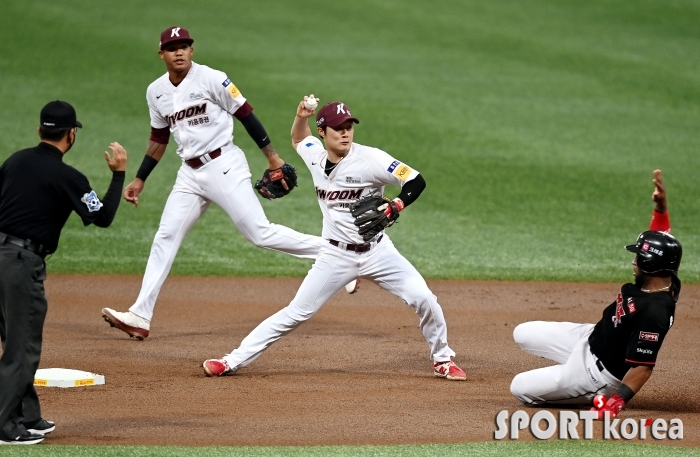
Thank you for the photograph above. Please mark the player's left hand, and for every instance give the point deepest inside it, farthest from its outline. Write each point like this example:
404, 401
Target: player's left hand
659, 195
374, 213
614, 405
278, 182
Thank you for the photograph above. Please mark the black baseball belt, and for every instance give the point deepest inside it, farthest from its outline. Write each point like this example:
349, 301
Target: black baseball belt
355, 247
29, 245
204, 158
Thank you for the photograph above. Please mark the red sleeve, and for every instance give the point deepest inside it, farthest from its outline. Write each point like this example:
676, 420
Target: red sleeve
160, 136
660, 222
243, 112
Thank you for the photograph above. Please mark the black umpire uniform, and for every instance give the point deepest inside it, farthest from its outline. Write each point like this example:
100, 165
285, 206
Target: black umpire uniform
37, 194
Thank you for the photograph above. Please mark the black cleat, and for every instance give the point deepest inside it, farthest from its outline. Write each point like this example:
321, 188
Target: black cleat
25, 438
41, 426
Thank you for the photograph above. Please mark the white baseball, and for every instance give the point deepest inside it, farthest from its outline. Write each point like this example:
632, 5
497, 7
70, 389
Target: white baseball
311, 102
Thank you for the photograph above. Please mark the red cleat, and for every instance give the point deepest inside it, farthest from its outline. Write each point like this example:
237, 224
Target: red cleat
216, 367
449, 370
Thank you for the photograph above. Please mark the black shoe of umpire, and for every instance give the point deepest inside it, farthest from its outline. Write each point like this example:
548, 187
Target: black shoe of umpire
25, 438
40, 427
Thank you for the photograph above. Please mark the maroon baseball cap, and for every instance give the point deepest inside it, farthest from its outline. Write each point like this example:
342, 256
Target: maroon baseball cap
174, 33
333, 114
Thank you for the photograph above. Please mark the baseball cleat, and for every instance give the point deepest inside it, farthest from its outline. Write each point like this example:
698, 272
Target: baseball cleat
353, 286
128, 322
217, 367
25, 438
449, 370
40, 427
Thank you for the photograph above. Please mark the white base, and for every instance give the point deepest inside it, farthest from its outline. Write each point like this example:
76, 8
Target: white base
63, 377
351, 287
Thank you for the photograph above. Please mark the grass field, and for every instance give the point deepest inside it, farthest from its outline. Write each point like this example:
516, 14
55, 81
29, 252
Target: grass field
529, 449
536, 125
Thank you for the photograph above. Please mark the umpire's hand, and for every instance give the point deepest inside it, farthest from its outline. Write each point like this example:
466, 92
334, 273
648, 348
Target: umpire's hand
117, 162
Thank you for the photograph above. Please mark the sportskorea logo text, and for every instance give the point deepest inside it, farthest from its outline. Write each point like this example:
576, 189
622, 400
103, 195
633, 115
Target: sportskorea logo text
567, 426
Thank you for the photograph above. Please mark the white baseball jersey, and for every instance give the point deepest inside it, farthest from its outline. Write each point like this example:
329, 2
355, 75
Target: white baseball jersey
198, 110
363, 171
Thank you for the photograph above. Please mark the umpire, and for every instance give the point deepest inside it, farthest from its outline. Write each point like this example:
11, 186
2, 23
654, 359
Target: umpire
37, 194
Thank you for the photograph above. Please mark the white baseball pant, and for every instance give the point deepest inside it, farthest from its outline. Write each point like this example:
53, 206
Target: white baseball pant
226, 182
335, 267
577, 378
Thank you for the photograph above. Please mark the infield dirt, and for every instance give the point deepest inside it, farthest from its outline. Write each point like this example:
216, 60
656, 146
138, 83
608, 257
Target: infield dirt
357, 373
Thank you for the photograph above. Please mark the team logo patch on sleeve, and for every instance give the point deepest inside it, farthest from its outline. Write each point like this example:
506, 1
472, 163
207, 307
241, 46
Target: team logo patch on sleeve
231, 88
308, 145
631, 306
648, 336
92, 201
399, 170
402, 172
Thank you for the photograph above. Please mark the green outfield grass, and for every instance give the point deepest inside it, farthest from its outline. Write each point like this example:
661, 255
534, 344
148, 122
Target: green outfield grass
535, 123
525, 449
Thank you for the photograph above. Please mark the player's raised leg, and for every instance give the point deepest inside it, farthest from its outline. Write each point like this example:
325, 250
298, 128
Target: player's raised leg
182, 210
576, 381
329, 274
390, 270
233, 192
551, 340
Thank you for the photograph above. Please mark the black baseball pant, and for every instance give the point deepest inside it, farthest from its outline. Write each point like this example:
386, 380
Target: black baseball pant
23, 309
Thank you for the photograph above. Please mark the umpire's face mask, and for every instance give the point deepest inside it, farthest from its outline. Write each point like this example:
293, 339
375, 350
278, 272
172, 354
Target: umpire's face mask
71, 143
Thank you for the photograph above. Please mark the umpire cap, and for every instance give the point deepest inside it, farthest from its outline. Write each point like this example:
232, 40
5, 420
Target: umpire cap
657, 252
58, 115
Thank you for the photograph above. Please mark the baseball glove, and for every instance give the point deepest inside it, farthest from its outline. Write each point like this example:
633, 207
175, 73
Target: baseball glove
370, 217
270, 186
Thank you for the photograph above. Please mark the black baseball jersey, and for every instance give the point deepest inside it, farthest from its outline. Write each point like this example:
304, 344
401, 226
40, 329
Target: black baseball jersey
633, 327
38, 192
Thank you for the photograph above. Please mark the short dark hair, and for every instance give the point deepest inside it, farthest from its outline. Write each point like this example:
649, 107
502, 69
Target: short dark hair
53, 133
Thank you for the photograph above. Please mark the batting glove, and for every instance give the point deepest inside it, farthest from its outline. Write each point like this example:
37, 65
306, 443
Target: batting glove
614, 405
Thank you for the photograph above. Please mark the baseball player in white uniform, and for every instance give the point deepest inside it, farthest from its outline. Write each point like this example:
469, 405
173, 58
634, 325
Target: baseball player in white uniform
195, 103
343, 172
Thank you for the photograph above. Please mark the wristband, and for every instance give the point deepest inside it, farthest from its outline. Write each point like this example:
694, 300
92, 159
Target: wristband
660, 222
147, 166
625, 392
395, 206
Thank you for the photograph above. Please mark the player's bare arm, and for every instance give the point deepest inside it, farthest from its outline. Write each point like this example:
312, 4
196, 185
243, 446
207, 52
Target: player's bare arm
273, 159
279, 179
636, 377
154, 153
300, 126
